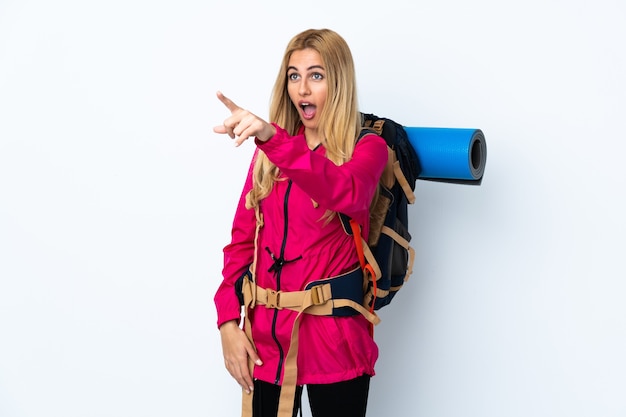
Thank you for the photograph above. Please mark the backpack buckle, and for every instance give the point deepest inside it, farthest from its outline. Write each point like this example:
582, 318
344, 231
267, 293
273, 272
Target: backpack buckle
378, 126
317, 295
273, 299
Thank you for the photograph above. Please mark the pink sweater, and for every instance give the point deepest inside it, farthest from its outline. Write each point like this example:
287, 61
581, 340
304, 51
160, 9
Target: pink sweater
331, 349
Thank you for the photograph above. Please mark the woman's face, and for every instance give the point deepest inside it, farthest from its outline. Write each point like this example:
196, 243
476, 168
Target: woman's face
307, 86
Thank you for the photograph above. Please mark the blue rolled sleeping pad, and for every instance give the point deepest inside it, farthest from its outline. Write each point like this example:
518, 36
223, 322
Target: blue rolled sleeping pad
452, 155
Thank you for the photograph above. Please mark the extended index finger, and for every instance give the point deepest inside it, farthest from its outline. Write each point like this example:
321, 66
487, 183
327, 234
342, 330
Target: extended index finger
230, 105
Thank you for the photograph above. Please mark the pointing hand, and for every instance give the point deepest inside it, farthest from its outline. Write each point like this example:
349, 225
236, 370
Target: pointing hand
242, 124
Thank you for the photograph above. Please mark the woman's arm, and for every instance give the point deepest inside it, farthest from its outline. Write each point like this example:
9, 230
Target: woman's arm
348, 188
238, 255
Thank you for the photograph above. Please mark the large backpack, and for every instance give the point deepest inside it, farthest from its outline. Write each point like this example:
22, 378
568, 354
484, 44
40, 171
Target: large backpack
387, 257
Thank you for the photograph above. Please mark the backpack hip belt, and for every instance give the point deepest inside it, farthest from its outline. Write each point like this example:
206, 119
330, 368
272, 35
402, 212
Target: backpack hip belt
341, 295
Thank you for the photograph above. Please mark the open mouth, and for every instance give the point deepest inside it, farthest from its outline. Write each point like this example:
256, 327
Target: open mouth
308, 110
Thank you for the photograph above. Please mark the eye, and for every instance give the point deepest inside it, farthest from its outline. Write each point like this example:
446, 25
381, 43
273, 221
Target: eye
317, 76
293, 76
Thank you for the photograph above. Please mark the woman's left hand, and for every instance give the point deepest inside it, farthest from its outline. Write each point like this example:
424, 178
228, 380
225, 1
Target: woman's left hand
242, 124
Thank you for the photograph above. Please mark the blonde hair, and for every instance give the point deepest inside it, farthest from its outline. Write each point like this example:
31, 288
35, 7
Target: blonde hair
340, 120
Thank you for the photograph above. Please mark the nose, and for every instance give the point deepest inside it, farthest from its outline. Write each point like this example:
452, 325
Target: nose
304, 87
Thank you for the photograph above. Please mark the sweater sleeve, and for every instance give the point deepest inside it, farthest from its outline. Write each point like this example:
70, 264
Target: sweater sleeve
347, 188
238, 255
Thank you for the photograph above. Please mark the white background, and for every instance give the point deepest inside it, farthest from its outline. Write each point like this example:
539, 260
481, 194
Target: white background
116, 199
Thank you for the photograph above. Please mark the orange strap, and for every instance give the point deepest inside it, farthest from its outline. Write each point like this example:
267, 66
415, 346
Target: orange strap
368, 269
358, 241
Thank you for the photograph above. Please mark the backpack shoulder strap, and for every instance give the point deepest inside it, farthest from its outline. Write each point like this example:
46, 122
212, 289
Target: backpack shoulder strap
377, 127
364, 132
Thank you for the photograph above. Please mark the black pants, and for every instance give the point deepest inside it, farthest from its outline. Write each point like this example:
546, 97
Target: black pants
341, 399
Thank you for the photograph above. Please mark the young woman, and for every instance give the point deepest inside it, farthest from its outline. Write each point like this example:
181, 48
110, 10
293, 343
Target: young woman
309, 165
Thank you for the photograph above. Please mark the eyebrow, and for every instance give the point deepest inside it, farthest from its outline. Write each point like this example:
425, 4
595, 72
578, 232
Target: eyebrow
308, 69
